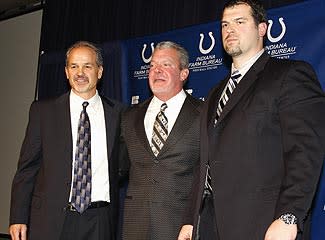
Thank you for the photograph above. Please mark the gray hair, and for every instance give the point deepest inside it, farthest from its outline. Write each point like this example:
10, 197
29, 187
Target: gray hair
99, 57
183, 54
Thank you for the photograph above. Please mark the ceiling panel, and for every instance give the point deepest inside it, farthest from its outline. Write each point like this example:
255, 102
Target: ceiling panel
10, 8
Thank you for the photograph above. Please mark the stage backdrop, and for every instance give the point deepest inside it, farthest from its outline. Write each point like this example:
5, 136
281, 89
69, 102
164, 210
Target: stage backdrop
295, 32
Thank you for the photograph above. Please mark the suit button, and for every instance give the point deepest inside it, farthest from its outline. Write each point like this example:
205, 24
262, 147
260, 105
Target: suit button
153, 181
156, 161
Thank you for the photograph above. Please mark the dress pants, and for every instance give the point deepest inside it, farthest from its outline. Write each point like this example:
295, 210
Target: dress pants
92, 224
207, 227
207, 221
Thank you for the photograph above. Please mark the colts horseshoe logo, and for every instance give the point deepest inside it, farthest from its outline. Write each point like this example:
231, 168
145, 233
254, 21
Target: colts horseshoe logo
276, 39
147, 60
213, 42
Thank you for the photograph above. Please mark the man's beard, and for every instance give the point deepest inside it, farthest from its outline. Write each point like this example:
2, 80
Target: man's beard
234, 51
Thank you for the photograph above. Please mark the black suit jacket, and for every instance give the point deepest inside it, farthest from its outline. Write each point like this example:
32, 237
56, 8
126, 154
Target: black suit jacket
41, 186
159, 187
266, 150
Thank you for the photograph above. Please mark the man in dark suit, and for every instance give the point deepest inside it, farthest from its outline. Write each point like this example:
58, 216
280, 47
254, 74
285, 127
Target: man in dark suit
43, 189
161, 171
262, 138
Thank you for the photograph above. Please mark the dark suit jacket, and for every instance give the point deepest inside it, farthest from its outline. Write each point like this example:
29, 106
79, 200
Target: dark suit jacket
266, 150
159, 187
41, 186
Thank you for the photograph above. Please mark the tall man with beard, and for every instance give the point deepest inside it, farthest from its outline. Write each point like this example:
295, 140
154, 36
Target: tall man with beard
262, 140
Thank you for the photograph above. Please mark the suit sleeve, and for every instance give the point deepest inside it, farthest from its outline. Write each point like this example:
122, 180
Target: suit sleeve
28, 167
124, 163
302, 121
190, 213
194, 205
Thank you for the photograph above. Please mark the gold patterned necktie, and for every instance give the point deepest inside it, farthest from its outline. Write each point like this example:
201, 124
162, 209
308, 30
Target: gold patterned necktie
160, 131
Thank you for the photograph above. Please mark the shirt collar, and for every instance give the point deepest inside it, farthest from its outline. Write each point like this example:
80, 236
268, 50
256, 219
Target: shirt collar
179, 97
244, 69
76, 101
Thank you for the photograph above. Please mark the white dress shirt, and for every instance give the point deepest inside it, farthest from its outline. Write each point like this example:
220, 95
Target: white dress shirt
99, 161
244, 69
174, 106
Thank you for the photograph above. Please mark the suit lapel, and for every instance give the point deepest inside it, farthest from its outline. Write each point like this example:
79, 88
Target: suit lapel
181, 125
183, 122
213, 103
246, 82
111, 123
62, 109
139, 125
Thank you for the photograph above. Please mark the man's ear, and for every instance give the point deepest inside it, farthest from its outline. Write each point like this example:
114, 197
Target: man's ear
262, 28
100, 72
66, 72
184, 74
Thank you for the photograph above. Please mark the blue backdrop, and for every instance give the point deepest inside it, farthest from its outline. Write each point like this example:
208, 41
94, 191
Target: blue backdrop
295, 32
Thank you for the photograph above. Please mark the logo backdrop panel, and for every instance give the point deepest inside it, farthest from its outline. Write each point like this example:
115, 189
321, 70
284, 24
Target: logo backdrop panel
295, 32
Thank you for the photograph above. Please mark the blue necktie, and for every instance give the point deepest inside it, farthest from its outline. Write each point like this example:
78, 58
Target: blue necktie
81, 188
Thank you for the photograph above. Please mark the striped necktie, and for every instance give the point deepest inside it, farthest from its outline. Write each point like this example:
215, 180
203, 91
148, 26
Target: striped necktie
229, 89
208, 183
160, 131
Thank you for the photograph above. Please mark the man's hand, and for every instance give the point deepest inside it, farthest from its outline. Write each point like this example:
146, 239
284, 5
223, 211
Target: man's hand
185, 233
18, 231
278, 230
